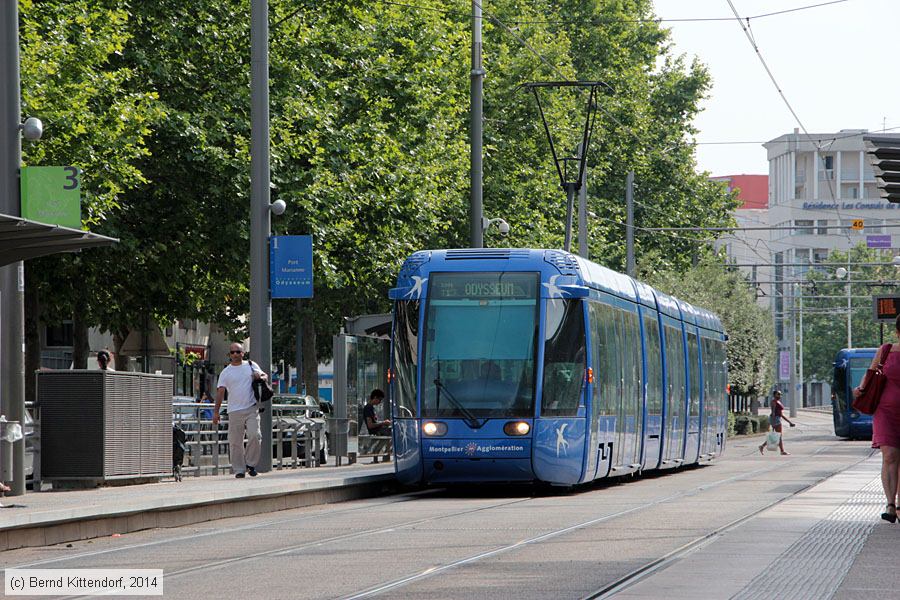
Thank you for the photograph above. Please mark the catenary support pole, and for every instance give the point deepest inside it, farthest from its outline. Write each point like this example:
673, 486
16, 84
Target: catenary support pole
12, 277
582, 211
298, 361
800, 348
629, 224
476, 207
260, 219
849, 306
570, 201
792, 333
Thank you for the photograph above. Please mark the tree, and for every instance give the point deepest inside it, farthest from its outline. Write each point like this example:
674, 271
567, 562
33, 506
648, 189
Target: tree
72, 81
751, 337
825, 309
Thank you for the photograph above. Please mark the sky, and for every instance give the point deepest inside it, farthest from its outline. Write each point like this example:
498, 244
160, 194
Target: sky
835, 64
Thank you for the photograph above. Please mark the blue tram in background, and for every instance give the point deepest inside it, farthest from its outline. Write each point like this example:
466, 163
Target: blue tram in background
849, 368
539, 366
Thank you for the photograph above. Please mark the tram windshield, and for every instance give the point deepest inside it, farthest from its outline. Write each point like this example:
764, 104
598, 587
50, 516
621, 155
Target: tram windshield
480, 345
858, 367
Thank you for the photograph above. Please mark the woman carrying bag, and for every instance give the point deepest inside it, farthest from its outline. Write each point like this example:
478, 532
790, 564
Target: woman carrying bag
886, 421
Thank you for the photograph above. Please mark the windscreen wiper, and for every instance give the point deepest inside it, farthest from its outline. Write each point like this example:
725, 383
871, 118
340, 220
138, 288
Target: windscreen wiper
471, 419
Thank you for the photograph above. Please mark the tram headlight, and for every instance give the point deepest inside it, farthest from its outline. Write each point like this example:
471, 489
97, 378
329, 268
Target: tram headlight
434, 428
516, 428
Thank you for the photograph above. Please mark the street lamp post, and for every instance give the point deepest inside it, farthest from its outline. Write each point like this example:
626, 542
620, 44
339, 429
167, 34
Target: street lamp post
840, 273
260, 219
12, 277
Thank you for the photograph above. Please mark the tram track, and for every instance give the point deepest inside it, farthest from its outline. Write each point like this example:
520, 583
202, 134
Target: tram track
606, 591
408, 497
635, 575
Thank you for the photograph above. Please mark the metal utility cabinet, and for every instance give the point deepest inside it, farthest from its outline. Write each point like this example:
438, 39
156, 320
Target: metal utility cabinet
101, 426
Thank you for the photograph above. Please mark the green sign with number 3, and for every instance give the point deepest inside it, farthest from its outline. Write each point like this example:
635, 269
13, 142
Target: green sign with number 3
52, 195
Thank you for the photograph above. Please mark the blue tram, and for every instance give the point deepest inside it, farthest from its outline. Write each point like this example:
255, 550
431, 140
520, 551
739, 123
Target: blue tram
539, 366
849, 367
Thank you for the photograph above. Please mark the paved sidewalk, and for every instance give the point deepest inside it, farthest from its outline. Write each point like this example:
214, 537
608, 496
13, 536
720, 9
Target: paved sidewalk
826, 542
42, 518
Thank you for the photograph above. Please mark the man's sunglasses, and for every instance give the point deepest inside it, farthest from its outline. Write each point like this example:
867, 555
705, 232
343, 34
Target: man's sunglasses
235, 352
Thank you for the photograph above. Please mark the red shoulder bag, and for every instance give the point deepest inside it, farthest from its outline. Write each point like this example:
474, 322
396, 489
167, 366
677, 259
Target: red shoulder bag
867, 401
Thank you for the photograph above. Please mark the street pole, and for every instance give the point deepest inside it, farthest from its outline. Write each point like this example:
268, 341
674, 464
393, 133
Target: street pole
12, 277
298, 360
792, 344
629, 224
260, 219
570, 201
800, 362
849, 307
582, 211
476, 208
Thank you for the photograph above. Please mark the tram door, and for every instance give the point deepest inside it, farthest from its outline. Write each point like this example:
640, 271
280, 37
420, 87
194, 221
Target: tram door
633, 388
708, 442
673, 435
692, 444
608, 365
654, 391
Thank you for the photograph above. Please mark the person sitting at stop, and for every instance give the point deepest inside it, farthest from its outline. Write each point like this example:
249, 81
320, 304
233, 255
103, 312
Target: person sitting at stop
373, 425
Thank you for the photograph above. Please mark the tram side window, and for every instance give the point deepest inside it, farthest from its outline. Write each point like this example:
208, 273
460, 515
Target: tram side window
634, 377
406, 340
694, 358
604, 344
564, 358
598, 361
654, 366
709, 373
675, 370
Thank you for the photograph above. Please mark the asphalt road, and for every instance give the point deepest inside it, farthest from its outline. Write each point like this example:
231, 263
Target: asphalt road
479, 542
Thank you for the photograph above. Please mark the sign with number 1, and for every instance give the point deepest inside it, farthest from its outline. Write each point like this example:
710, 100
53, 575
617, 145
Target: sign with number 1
52, 195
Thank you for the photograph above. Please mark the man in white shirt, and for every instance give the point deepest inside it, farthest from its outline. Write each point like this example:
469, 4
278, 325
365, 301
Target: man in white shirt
243, 415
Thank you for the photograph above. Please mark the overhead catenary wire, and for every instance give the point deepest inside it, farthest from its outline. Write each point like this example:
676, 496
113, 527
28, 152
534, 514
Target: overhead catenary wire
762, 60
593, 22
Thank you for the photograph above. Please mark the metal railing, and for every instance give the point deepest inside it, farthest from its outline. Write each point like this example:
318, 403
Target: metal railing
294, 427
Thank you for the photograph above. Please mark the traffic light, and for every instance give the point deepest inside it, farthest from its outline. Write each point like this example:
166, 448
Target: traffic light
884, 154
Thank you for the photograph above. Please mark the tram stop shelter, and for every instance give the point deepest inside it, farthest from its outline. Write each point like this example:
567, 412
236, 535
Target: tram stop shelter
23, 239
361, 362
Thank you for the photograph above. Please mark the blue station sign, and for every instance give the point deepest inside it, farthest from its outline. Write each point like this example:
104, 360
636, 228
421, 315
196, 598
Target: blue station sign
290, 266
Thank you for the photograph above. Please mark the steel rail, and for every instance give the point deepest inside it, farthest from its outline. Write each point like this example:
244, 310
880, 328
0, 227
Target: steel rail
663, 562
432, 571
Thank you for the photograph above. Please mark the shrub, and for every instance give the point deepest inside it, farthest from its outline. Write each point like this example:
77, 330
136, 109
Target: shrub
742, 425
730, 424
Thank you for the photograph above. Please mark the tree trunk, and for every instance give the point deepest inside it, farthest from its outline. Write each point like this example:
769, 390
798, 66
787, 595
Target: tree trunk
80, 343
310, 361
32, 337
121, 359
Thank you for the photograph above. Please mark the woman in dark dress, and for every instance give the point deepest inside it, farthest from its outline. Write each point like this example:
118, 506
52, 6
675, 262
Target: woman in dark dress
886, 424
